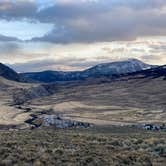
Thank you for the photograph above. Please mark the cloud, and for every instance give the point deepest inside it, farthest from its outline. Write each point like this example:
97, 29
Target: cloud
52, 64
83, 33
7, 38
91, 20
34, 65
8, 48
39, 56
19, 9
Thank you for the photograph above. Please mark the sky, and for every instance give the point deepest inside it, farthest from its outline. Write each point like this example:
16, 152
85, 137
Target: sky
68, 35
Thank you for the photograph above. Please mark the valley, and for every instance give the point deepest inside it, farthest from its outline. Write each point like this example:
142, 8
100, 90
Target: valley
82, 82
128, 99
96, 117
119, 102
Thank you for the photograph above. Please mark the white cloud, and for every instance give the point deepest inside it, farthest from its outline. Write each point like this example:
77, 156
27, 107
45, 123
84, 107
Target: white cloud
85, 33
29, 56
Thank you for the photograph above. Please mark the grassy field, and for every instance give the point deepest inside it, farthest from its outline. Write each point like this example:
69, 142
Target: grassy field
107, 146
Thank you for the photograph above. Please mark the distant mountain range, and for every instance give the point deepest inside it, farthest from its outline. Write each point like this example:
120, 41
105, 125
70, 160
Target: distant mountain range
117, 73
131, 67
105, 69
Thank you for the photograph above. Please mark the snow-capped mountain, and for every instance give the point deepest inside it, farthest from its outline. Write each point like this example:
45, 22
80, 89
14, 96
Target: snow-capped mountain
116, 68
105, 69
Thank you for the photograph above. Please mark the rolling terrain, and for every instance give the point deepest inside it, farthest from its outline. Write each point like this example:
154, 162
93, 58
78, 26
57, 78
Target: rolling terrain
130, 98
125, 100
14, 93
114, 105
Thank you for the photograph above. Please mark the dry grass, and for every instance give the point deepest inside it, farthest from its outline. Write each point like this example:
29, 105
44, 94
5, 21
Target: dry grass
120, 102
124, 101
100, 146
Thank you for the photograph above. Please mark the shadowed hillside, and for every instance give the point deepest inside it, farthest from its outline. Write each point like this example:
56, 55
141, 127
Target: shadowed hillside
8, 73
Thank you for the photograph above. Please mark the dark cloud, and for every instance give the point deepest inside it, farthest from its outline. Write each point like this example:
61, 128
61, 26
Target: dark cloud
7, 38
11, 10
92, 21
107, 21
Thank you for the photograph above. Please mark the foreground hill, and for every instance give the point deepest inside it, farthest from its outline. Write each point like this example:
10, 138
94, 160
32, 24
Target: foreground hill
13, 94
106, 69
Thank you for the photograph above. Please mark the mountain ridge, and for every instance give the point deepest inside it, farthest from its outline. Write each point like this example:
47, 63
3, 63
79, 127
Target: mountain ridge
104, 69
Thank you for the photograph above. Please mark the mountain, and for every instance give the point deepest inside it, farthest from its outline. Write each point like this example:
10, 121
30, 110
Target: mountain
117, 68
105, 69
51, 76
8, 73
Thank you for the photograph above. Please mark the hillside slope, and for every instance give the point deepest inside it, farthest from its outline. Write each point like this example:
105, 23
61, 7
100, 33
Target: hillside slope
8, 73
133, 98
12, 95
